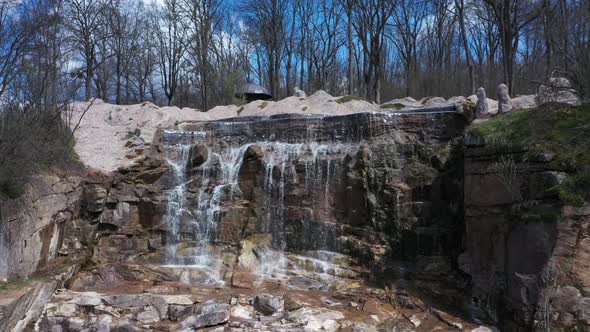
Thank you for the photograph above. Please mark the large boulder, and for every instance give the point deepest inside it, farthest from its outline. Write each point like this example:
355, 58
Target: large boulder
198, 154
268, 304
558, 90
207, 314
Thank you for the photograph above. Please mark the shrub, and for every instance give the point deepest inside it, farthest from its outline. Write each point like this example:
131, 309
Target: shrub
32, 138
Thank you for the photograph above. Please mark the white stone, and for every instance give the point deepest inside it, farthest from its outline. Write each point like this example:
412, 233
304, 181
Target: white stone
306, 314
148, 316
177, 299
481, 107
242, 312
484, 329
313, 325
504, 102
87, 299
330, 325
66, 310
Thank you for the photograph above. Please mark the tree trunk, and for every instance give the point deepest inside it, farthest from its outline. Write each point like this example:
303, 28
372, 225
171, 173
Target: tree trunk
461, 10
350, 48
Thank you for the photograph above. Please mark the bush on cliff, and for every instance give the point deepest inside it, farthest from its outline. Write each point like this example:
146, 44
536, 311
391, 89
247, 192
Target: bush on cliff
558, 129
32, 139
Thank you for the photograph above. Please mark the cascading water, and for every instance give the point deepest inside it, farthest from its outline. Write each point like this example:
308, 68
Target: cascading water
307, 190
220, 185
205, 216
214, 189
176, 209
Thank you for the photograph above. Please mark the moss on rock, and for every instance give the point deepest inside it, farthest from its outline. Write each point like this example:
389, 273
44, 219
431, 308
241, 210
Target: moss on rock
556, 129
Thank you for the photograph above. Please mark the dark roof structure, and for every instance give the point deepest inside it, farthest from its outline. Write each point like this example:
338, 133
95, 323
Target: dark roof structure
252, 92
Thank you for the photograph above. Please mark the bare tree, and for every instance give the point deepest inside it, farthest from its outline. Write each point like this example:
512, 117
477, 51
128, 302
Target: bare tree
460, 7
511, 16
83, 20
205, 18
144, 60
14, 38
170, 37
371, 21
408, 21
266, 19
349, 6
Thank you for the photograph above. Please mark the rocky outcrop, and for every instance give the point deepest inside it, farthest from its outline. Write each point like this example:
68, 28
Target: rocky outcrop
311, 203
364, 221
524, 253
558, 90
32, 226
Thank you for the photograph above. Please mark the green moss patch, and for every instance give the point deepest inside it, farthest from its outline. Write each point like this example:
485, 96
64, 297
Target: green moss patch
18, 283
346, 99
555, 128
263, 104
396, 106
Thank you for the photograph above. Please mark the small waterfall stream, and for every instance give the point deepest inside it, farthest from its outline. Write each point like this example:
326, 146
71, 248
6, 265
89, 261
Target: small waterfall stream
177, 157
209, 202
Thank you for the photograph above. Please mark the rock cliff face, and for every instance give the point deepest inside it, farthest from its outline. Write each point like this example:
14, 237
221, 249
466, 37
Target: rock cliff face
32, 227
302, 202
33, 234
525, 253
350, 184
367, 221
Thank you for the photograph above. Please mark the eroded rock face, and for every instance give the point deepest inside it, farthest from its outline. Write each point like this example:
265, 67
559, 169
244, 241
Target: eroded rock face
351, 184
558, 90
32, 226
525, 253
309, 202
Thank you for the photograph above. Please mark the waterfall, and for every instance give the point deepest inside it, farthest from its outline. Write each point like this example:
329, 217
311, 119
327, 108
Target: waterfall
202, 218
312, 166
209, 203
177, 157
